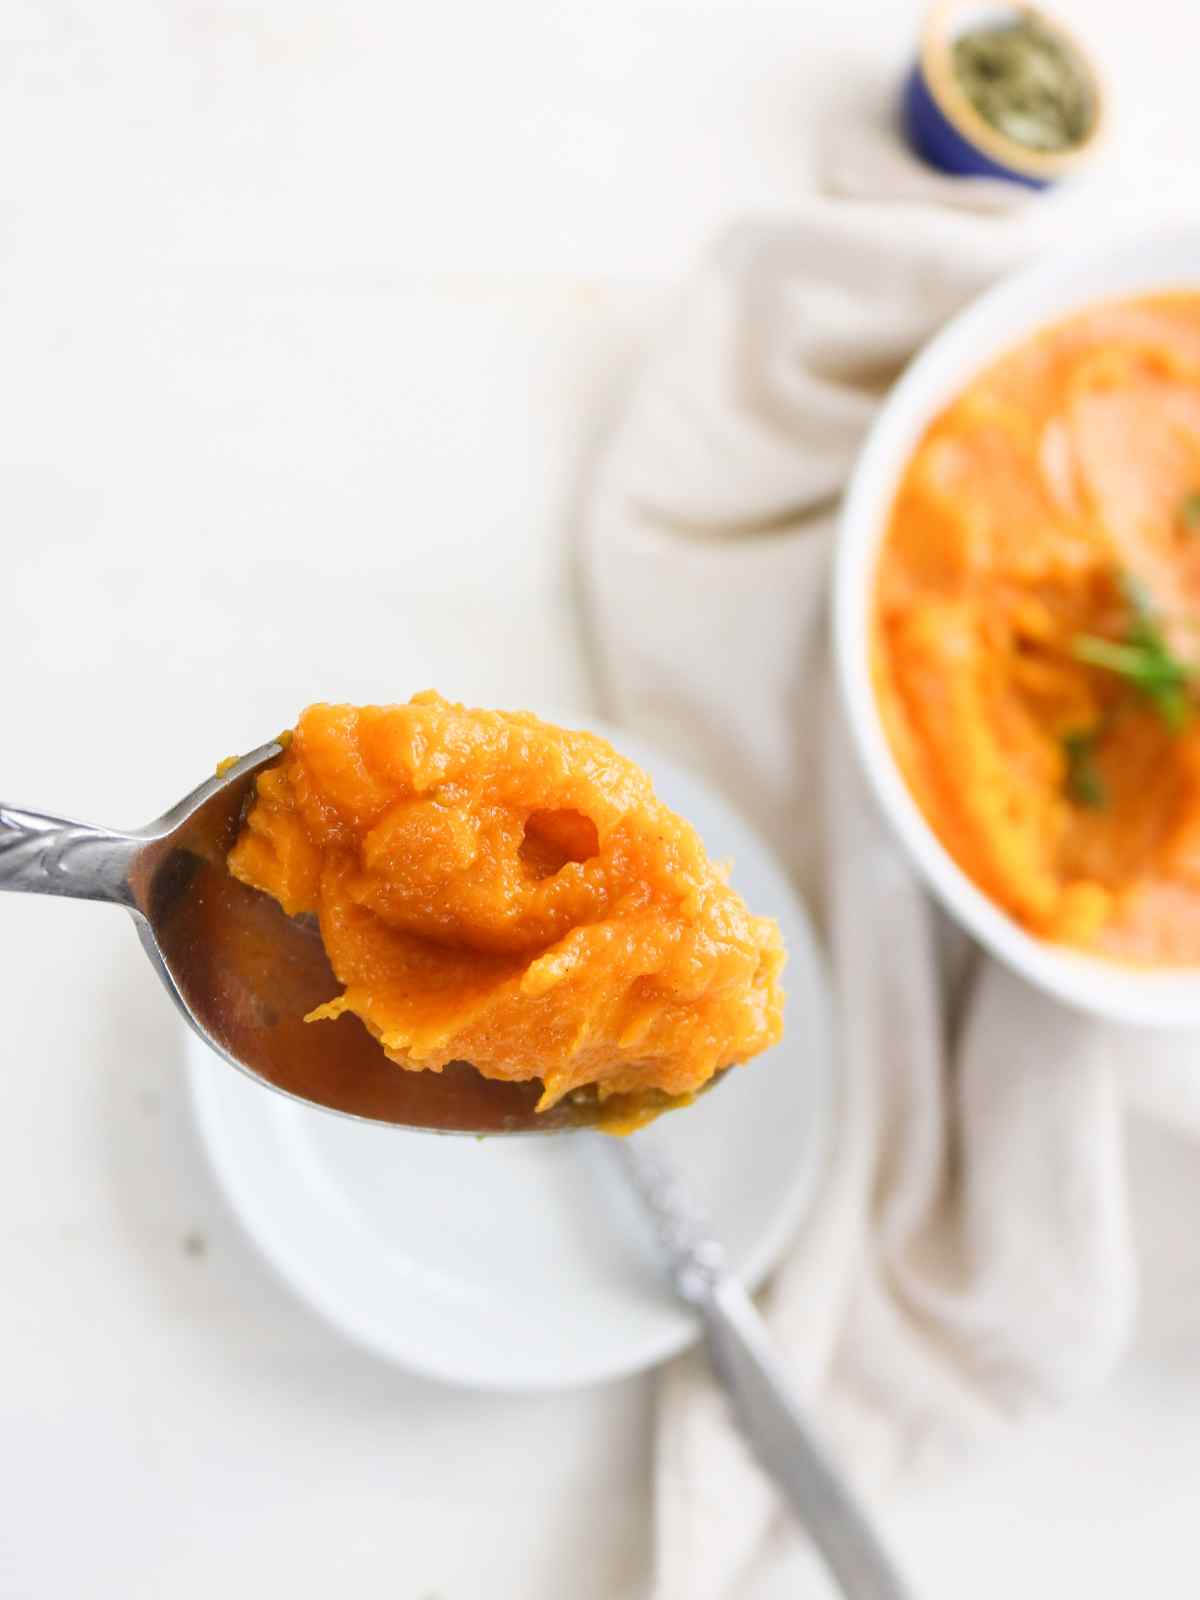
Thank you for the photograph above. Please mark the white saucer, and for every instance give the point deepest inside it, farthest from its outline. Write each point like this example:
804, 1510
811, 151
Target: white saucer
523, 1264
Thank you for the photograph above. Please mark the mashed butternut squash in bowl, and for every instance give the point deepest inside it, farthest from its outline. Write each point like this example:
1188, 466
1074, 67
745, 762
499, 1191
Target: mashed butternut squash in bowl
1018, 624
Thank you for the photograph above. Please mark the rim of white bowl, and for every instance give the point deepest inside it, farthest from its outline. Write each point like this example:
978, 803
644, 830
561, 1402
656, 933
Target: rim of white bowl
997, 320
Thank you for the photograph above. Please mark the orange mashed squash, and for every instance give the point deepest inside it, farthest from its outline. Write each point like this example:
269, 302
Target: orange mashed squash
1035, 642
493, 889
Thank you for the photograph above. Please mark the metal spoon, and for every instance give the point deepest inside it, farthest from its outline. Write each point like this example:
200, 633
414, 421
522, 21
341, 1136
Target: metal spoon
243, 973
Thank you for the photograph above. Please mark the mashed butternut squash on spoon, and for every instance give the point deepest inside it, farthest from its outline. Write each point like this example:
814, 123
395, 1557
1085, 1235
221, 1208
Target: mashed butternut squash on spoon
493, 889
1037, 630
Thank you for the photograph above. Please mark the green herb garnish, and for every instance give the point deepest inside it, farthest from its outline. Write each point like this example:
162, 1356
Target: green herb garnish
1026, 80
1189, 511
1084, 783
1143, 658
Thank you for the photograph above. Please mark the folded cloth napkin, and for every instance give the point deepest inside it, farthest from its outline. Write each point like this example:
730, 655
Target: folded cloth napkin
970, 1257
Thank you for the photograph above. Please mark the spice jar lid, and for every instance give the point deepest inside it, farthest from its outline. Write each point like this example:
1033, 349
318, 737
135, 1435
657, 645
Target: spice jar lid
954, 110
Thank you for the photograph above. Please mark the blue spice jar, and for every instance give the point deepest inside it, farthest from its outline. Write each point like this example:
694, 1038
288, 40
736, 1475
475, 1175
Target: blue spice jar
944, 127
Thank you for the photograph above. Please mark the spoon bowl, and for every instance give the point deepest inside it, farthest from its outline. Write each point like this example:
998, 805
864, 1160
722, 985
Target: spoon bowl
244, 974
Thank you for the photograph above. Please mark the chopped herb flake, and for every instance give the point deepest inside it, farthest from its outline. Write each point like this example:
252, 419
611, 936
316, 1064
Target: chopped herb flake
1084, 784
1189, 511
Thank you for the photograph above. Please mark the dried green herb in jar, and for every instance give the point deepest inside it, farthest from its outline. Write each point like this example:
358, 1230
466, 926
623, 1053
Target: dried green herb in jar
1027, 82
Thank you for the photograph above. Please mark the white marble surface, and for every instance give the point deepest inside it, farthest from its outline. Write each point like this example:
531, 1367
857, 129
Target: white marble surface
295, 294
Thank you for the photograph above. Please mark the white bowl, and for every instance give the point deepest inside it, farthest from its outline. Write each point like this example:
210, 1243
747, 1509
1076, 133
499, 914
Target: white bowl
1163, 997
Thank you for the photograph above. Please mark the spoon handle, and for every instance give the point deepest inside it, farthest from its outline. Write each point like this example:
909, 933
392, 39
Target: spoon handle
44, 854
777, 1432
762, 1398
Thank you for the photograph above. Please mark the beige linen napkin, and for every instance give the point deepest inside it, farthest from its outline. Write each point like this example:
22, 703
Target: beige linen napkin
970, 1257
